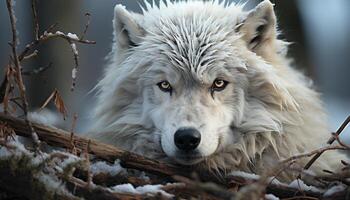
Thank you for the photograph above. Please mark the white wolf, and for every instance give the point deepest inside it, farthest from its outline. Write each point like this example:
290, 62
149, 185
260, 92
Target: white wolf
207, 84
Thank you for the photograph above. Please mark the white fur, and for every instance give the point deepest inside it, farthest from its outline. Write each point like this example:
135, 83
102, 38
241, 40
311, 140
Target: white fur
267, 112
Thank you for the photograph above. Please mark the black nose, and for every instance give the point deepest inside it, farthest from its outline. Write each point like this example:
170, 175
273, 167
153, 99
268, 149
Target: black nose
187, 139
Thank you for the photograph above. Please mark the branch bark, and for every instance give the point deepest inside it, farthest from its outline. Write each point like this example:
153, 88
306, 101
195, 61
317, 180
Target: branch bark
60, 138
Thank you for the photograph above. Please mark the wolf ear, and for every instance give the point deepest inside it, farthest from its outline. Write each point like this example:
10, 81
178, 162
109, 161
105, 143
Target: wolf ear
259, 26
127, 29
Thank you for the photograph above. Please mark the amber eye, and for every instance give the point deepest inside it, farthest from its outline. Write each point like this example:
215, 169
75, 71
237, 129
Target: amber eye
219, 85
164, 86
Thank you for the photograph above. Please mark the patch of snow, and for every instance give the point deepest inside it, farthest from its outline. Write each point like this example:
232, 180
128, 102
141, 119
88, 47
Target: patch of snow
47, 178
39, 159
74, 73
271, 197
44, 116
73, 36
5, 153
251, 176
245, 175
59, 33
299, 184
334, 189
153, 189
144, 176
309, 172
125, 188
74, 48
16, 152
146, 189
103, 167
71, 159
275, 181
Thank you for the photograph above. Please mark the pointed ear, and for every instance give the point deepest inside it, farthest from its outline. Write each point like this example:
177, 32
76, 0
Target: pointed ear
127, 29
259, 26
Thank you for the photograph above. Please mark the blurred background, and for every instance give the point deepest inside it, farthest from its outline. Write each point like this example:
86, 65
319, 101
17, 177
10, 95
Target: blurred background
319, 30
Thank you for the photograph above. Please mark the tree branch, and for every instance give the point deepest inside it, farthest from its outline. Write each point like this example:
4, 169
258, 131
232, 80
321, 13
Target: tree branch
18, 74
330, 141
60, 138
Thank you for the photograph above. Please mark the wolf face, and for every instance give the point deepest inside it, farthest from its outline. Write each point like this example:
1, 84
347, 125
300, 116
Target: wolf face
192, 110
201, 82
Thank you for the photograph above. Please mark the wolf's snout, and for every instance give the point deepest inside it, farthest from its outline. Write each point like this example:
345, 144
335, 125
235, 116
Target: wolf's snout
187, 139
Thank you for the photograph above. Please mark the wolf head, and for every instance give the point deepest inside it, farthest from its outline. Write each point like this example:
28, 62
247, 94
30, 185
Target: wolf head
190, 79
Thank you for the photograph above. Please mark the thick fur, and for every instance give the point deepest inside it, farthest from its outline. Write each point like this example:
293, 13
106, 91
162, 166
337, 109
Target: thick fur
268, 111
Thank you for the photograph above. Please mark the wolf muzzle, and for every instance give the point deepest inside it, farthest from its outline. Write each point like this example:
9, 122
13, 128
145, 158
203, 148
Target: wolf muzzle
187, 139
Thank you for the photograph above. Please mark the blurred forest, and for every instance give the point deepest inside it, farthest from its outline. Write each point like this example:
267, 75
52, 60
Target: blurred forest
319, 30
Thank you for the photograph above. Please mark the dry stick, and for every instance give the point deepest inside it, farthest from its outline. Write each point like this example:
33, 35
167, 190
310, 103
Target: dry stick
60, 138
330, 141
98, 192
73, 150
86, 25
76, 61
37, 71
4, 87
314, 152
34, 54
35, 20
88, 172
8, 89
18, 73
47, 36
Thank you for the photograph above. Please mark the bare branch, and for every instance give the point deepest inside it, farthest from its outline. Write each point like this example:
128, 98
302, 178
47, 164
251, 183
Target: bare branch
330, 141
47, 35
18, 73
37, 71
58, 101
73, 150
317, 151
76, 61
61, 138
86, 25
35, 20
34, 54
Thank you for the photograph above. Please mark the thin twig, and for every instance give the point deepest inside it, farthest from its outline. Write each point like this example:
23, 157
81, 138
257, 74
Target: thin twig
18, 73
17, 103
317, 151
336, 137
4, 86
51, 27
76, 61
86, 25
8, 86
330, 141
73, 149
35, 20
37, 71
88, 172
34, 54
48, 35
